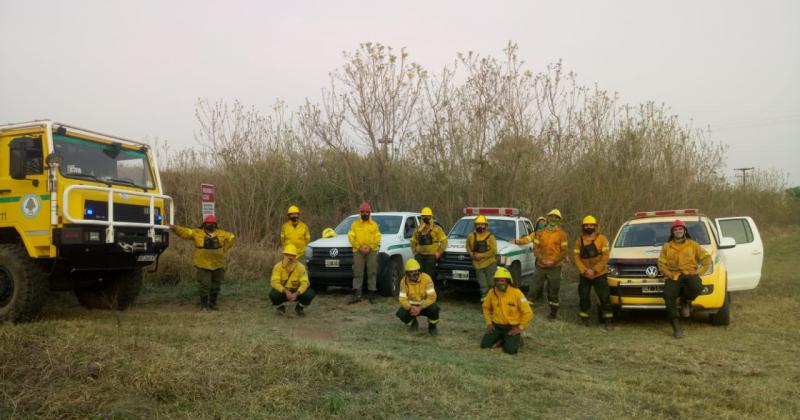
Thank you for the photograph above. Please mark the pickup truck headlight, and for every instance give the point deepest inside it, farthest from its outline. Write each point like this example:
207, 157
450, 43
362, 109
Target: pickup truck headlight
157, 238
502, 259
309, 253
710, 270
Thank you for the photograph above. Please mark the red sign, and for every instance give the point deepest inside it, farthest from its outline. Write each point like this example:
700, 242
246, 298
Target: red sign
207, 192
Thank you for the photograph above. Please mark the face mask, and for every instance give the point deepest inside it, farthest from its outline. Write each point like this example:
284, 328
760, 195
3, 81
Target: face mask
294, 218
588, 231
426, 220
365, 216
501, 287
678, 235
211, 228
540, 226
552, 223
480, 229
413, 277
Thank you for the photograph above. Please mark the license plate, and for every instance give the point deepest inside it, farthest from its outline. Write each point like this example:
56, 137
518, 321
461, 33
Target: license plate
460, 274
332, 263
146, 257
652, 289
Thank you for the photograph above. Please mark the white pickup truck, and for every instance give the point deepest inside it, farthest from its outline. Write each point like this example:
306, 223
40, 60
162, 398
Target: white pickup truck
330, 260
505, 224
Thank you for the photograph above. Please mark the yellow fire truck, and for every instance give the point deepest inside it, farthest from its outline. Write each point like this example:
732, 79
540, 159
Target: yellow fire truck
79, 210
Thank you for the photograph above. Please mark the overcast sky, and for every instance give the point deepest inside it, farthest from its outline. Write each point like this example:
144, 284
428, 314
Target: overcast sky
136, 68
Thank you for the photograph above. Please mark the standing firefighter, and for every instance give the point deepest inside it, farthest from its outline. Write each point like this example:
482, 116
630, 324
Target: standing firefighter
365, 237
591, 257
290, 283
296, 233
428, 243
506, 312
550, 248
210, 246
482, 247
417, 297
682, 260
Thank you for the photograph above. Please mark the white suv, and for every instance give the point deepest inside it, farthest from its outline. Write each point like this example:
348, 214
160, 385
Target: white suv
330, 260
505, 224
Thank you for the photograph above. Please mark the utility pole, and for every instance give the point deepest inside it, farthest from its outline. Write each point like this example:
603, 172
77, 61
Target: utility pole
744, 174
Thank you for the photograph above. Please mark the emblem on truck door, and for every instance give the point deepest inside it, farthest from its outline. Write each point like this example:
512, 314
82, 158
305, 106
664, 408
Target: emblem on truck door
31, 205
651, 271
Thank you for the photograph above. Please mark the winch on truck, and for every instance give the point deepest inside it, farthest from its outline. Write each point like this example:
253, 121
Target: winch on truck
79, 210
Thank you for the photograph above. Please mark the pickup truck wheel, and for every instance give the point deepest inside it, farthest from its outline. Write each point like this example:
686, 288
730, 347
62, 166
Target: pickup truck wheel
23, 285
390, 282
723, 316
116, 290
516, 275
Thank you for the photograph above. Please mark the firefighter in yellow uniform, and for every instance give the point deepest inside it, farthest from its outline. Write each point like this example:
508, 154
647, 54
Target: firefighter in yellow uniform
681, 262
550, 249
417, 297
290, 283
506, 312
482, 248
296, 232
428, 243
365, 237
591, 252
210, 246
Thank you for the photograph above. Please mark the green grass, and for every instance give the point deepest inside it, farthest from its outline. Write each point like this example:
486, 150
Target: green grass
166, 359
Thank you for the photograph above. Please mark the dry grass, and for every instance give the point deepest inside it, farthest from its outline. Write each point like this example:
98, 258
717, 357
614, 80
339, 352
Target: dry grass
166, 359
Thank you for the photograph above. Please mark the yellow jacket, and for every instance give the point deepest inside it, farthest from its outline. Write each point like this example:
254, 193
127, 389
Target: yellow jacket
299, 236
679, 258
437, 236
286, 276
507, 308
364, 233
209, 259
420, 293
598, 264
549, 245
490, 255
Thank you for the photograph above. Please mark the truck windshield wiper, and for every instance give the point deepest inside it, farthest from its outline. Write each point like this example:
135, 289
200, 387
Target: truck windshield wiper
89, 177
126, 182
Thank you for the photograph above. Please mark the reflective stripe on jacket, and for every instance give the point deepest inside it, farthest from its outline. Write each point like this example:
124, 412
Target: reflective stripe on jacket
421, 293
598, 264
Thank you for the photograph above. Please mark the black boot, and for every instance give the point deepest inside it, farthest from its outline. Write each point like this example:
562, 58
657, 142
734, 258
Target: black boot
298, 309
585, 321
553, 312
677, 330
371, 297
356, 297
432, 330
203, 302
212, 301
281, 309
413, 326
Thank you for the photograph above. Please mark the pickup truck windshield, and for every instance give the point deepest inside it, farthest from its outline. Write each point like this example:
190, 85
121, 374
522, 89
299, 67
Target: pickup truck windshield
657, 233
388, 225
504, 230
100, 162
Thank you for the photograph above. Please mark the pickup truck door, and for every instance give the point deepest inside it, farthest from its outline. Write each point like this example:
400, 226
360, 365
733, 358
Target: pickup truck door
743, 261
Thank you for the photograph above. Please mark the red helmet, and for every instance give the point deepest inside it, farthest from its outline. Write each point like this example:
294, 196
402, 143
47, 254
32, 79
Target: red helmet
364, 208
678, 223
210, 219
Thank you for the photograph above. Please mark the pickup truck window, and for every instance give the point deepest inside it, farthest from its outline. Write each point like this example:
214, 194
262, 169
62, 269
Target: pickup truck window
657, 233
737, 229
502, 229
388, 225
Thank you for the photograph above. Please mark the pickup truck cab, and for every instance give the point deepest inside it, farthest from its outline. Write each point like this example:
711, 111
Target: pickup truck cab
734, 243
505, 224
330, 260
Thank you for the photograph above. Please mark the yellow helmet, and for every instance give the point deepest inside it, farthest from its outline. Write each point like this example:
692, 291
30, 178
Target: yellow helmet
412, 265
481, 219
328, 233
290, 249
502, 273
426, 212
589, 220
293, 209
556, 213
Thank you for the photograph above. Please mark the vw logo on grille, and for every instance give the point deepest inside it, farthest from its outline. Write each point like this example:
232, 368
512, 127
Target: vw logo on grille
462, 257
334, 252
651, 271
